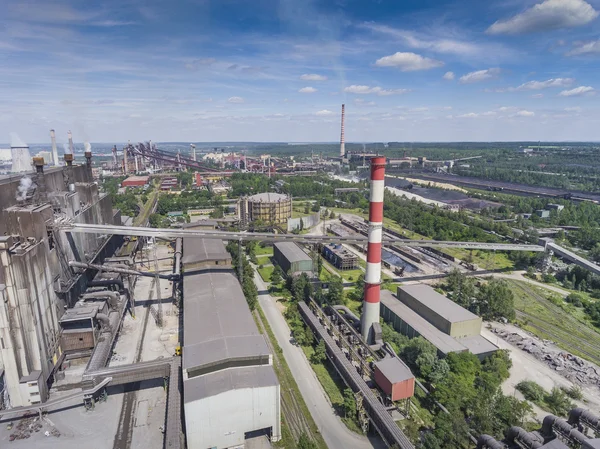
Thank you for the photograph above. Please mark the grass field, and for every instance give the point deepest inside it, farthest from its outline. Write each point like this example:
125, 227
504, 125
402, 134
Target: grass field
265, 273
261, 251
485, 260
545, 314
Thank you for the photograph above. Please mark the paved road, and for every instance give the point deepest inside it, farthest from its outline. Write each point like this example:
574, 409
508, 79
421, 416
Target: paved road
334, 431
518, 276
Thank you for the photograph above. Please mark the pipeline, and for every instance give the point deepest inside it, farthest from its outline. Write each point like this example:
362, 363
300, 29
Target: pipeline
113, 297
554, 425
348, 314
114, 269
106, 283
526, 439
178, 247
579, 416
488, 442
105, 322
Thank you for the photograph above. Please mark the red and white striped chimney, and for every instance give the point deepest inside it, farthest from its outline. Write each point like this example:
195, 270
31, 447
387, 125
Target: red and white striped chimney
342, 138
370, 313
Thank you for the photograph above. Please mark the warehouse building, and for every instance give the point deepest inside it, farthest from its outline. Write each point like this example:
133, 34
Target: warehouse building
408, 321
440, 311
270, 208
230, 390
394, 378
135, 181
291, 258
340, 257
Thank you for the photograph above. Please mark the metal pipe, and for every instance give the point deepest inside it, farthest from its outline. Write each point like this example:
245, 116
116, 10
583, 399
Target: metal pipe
54, 150
40, 181
106, 283
178, 251
113, 297
68, 157
112, 268
88, 164
579, 416
526, 439
372, 292
105, 321
488, 442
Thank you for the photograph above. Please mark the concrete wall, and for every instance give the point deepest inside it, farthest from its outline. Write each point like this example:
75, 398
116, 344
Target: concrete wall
221, 421
467, 328
308, 222
29, 329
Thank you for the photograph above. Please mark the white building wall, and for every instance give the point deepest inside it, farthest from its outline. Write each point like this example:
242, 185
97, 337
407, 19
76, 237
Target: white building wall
221, 421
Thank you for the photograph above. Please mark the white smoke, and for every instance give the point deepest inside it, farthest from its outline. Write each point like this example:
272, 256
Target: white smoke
66, 148
15, 141
87, 146
24, 186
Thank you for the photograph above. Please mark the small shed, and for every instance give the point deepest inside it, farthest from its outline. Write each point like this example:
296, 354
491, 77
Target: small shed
394, 378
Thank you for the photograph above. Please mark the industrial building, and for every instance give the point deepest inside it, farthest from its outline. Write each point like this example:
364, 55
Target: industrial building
435, 325
270, 208
440, 311
135, 181
35, 278
394, 378
230, 389
340, 257
291, 258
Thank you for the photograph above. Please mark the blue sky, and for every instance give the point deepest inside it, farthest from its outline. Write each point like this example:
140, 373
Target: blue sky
278, 70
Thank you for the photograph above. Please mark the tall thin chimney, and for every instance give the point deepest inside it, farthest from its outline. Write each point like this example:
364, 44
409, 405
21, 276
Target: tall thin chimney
54, 150
70, 176
88, 164
193, 151
137, 166
370, 312
125, 167
41, 192
70, 141
342, 140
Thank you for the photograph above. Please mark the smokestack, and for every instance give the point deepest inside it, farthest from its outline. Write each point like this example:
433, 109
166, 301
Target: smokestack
70, 142
54, 150
137, 167
41, 192
370, 312
193, 151
88, 164
70, 178
125, 167
342, 139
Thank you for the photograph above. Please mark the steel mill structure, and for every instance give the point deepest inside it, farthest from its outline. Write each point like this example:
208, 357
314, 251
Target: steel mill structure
342, 138
373, 272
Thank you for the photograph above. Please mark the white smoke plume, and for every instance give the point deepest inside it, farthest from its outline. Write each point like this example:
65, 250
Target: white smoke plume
66, 148
87, 146
15, 141
24, 186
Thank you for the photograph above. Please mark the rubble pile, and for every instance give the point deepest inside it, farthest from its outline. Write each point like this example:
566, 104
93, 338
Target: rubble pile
568, 365
25, 427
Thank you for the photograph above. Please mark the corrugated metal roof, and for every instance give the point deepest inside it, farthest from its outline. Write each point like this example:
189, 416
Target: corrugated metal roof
268, 197
292, 252
443, 342
200, 250
215, 308
205, 353
232, 379
441, 305
477, 344
394, 370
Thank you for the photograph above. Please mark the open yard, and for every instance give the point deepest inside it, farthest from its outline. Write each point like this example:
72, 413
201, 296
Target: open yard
265, 272
545, 314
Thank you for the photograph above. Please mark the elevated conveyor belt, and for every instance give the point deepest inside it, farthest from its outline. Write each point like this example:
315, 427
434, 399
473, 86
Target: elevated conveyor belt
381, 419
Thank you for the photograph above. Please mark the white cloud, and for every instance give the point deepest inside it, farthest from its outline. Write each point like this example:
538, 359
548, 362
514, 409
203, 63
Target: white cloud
313, 77
585, 48
361, 90
525, 113
537, 96
448, 76
578, 91
573, 109
479, 75
489, 113
546, 16
307, 90
408, 62
363, 102
235, 100
324, 113
538, 85
469, 115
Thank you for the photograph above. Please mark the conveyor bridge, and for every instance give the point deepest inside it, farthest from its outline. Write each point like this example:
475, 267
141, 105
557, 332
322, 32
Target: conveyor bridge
379, 416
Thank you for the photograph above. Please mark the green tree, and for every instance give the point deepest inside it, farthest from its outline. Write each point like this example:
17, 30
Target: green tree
304, 442
275, 276
335, 294
306, 208
349, 404
462, 288
496, 300
558, 402
332, 215
319, 356
315, 207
